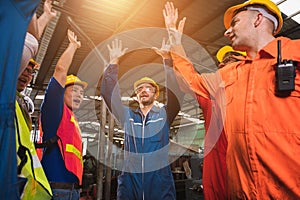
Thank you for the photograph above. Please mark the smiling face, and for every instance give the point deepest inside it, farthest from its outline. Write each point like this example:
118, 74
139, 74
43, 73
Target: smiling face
73, 96
145, 94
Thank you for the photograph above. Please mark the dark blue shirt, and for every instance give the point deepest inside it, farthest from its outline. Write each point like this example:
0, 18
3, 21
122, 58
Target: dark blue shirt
51, 114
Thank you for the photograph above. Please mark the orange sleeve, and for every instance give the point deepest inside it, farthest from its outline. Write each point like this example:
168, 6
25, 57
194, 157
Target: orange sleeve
186, 69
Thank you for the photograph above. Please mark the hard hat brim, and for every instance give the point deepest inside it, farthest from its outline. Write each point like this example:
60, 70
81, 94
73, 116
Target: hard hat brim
222, 51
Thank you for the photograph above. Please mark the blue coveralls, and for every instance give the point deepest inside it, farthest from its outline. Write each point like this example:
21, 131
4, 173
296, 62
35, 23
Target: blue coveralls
15, 16
146, 172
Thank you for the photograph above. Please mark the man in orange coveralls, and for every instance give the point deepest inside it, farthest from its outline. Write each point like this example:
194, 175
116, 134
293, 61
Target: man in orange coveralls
260, 123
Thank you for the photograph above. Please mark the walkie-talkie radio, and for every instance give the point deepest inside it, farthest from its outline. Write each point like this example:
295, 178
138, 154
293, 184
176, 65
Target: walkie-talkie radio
285, 73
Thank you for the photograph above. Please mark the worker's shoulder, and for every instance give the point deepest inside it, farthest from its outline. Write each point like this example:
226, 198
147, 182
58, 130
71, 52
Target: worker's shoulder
291, 43
292, 48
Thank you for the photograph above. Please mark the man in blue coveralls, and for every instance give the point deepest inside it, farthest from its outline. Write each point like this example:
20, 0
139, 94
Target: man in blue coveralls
15, 17
146, 173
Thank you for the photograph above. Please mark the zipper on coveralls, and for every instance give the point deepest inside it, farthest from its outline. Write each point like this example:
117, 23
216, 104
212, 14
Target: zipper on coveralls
143, 136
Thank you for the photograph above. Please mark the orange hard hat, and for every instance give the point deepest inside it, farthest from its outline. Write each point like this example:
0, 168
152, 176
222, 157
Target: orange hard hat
271, 6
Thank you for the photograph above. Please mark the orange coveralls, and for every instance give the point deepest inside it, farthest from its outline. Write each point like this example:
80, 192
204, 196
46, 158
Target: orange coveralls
215, 146
262, 130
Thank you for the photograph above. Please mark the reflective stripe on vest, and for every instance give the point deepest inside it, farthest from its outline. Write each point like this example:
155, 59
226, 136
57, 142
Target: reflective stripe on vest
37, 186
71, 143
70, 148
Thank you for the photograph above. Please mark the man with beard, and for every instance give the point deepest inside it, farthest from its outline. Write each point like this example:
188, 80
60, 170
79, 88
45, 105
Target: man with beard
62, 157
146, 173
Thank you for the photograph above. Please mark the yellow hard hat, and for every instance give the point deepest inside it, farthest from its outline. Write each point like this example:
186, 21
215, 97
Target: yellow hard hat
71, 80
222, 51
34, 64
271, 6
146, 80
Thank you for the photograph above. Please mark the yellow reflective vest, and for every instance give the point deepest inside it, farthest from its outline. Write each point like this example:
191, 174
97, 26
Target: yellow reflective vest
37, 186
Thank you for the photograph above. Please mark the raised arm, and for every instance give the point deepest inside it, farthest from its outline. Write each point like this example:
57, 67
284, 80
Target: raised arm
64, 62
173, 93
170, 14
180, 61
110, 90
45, 18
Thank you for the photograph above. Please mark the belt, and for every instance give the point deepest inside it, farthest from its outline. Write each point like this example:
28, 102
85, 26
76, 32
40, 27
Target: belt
65, 186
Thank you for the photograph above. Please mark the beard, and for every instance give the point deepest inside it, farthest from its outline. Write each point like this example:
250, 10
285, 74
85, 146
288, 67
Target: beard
146, 101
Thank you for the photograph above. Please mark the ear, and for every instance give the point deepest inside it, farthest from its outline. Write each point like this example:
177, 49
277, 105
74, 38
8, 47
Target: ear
258, 19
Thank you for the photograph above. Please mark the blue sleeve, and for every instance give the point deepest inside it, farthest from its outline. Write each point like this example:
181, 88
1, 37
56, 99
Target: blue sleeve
174, 94
52, 108
26, 8
13, 26
15, 16
110, 91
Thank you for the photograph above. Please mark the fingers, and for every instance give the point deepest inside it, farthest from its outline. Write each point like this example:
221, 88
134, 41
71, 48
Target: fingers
73, 38
181, 25
170, 14
164, 14
109, 48
169, 8
176, 15
47, 3
120, 44
71, 35
117, 44
124, 51
163, 42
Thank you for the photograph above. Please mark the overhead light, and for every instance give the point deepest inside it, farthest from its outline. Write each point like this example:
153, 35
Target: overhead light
291, 8
40, 97
86, 98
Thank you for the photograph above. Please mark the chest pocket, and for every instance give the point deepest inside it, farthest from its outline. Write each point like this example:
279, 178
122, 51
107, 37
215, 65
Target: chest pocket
228, 87
154, 129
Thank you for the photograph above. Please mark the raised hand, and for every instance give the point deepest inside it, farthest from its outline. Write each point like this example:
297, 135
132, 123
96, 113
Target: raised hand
48, 9
115, 51
175, 35
73, 39
171, 16
164, 51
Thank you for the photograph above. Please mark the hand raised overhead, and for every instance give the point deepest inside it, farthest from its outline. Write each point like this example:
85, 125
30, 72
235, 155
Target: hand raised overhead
48, 9
171, 16
164, 51
73, 39
115, 51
